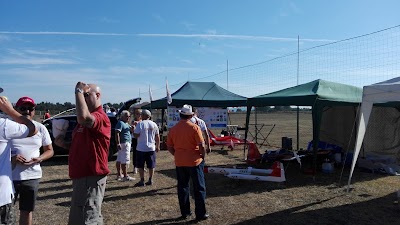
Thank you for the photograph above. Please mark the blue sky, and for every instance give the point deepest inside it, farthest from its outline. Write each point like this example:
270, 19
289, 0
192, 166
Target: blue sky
46, 46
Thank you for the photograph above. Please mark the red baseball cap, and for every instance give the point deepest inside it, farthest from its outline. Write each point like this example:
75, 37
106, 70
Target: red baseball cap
25, 100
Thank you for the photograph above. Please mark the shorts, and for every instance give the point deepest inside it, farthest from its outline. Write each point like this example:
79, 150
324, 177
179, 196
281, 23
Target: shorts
27, 191
7, 215
146, 157
124, 155
87, 198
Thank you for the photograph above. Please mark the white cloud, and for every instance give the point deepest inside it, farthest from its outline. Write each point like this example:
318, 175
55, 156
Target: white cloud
188, 26
36, 61
236, 46
38, 57
294, 8
4, 38
159, 18
108, 20
211, 31
126, 70
171, 70
187, 61
112, 55
142, 55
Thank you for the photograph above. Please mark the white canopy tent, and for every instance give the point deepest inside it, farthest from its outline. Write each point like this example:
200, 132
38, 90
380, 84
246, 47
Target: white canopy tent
383, 92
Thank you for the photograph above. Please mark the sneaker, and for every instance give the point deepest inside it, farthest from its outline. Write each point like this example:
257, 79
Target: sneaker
139, 184
119, 178
149, 182
128, 178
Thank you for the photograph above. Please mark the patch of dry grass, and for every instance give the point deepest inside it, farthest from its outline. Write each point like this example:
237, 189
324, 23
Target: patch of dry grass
300, 200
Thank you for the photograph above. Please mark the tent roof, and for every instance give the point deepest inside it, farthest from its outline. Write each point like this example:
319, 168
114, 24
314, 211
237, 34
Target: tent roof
201, 94
383, 92
307, 94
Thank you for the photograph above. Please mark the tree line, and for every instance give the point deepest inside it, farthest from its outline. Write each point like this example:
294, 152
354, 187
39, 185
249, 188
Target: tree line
59, 107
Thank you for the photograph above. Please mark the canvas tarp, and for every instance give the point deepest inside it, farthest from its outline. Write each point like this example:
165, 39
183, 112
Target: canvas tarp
201, 94
340, 100
383, 93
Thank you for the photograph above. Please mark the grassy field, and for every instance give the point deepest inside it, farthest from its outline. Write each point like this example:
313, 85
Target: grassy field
271, 127
302, 199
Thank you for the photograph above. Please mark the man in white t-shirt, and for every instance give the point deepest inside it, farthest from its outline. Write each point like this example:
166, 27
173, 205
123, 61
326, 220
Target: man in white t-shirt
9, 130
203, 127
148, 143
26, 159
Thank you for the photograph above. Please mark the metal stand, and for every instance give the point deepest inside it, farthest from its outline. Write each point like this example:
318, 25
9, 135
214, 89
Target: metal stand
257, 132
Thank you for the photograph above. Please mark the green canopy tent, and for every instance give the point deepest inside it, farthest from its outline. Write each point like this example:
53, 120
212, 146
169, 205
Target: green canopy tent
201, 94
317, 94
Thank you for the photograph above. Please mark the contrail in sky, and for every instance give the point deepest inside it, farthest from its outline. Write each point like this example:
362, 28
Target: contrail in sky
61, 33
203, 36
224, 36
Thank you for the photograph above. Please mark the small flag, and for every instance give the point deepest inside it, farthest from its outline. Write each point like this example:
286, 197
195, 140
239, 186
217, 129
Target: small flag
150, 94
169, 97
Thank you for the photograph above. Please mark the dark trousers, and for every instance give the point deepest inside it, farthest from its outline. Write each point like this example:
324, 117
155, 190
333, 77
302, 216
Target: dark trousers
196, 174
133, 150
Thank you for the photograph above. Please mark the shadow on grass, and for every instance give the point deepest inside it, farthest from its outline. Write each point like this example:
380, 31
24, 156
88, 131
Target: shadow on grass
218, 185
152, 192
63, 160
172, 221
376, 211
110, 197
55, 181
55, 196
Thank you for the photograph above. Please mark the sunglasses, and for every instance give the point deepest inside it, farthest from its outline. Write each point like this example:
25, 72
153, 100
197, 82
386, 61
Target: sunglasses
23, 108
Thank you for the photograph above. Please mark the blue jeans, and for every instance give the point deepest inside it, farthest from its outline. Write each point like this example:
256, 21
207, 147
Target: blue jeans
196, 173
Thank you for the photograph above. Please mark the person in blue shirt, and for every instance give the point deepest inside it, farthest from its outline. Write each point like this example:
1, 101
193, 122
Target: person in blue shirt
123, 139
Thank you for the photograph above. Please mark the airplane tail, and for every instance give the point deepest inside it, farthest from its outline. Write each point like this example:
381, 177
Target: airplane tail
253, 155
276, 169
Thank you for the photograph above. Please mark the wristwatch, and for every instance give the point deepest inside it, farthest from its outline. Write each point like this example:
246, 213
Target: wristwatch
78, 90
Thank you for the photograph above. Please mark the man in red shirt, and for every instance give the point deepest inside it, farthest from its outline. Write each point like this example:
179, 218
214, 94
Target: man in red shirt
185, 142
88, 156
46, 115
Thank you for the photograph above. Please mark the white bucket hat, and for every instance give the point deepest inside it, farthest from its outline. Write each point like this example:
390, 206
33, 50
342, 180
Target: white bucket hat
186, 110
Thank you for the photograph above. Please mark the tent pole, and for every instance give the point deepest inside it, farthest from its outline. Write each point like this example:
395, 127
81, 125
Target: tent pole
298, 65
298, 128
255, 125
248, 112
316, 115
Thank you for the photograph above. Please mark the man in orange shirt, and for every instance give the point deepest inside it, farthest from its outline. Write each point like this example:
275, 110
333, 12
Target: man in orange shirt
185, 142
